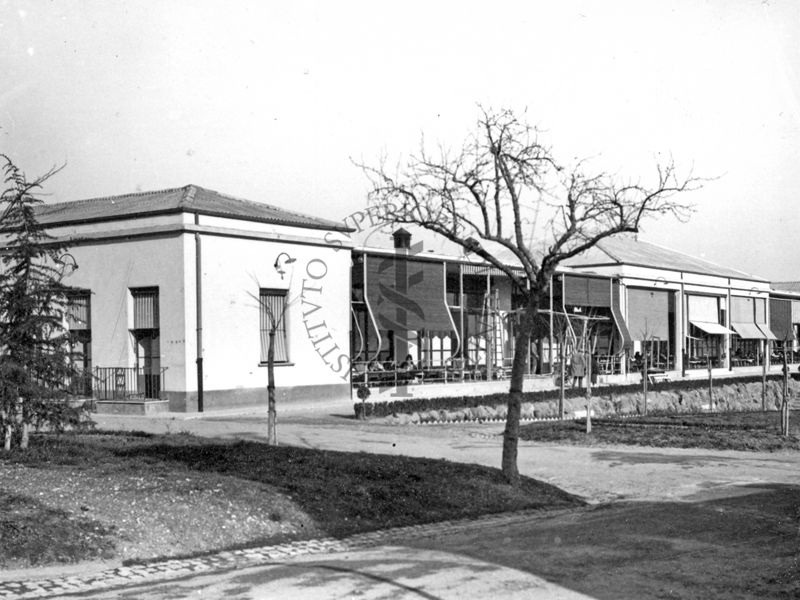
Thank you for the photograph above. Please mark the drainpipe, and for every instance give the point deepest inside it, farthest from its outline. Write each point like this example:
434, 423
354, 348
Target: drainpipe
198, 264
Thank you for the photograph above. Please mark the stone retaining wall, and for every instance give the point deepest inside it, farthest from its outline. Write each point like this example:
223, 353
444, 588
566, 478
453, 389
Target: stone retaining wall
730, 396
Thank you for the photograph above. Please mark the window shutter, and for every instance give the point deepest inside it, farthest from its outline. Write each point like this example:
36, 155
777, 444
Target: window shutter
145, 309
77, 312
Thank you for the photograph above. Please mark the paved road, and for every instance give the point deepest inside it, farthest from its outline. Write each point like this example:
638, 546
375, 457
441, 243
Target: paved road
386, 573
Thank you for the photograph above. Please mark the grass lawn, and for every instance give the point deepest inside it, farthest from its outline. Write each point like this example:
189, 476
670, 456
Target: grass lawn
137, 497
755, 431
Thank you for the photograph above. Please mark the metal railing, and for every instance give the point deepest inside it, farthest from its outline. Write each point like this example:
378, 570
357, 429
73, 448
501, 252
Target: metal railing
128, 383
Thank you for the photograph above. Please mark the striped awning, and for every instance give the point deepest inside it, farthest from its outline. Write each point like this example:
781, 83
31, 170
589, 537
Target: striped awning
472, 269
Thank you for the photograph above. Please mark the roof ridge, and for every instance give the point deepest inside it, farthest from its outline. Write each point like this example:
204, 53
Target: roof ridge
264, 205
113, 197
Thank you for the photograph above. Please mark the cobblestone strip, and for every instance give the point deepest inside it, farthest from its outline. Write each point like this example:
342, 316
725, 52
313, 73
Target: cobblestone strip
249, 557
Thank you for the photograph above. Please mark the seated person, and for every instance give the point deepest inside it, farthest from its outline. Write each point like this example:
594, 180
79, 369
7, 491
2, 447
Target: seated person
374, 365
408, 364
409, 369
638, 361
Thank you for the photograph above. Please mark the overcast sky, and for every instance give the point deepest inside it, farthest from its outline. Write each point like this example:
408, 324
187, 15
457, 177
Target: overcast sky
270, 100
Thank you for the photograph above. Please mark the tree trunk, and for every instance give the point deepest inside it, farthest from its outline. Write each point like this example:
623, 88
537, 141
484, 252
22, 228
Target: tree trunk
272, 438
6, 420
24, 426
785, 399
23, 440
644, 376
561, 376
511, 433
589, 393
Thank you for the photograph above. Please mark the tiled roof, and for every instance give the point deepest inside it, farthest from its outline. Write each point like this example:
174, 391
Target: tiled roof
786, 286
624, 250
190, 198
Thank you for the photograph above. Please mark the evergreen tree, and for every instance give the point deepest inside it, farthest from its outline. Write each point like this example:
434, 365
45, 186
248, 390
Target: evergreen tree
36, 366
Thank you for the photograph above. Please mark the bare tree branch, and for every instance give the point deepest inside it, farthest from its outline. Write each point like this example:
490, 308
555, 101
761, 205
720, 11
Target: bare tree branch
503, 182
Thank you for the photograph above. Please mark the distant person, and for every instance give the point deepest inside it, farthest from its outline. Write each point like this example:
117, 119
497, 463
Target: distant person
577, 369
374, 366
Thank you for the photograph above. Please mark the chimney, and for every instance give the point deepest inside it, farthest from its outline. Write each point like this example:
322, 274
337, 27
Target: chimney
402, 239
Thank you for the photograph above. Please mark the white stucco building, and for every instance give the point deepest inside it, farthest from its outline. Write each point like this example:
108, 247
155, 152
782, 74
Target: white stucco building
175, 291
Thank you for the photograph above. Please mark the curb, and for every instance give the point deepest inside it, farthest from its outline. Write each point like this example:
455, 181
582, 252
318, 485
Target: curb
251, 557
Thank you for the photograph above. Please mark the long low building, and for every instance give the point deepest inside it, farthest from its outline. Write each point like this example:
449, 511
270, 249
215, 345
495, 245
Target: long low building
177, 292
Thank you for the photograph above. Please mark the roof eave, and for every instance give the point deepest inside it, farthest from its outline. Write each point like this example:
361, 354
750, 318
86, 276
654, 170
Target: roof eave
193, 210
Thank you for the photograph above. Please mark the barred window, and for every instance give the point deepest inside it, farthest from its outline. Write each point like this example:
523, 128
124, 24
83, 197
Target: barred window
272, 313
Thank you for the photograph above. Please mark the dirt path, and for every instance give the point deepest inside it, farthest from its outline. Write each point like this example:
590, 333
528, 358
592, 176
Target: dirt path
681, 523
599, 474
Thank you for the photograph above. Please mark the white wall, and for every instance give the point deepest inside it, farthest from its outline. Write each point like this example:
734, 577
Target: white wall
233, 271
109, 270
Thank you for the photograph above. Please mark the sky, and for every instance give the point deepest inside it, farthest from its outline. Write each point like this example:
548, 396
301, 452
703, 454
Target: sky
273, 101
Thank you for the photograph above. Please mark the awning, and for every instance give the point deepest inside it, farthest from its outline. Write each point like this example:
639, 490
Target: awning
648, 314
587, 291
406, 294
616, 312
712, 328
748, 331
767, 333
780, 319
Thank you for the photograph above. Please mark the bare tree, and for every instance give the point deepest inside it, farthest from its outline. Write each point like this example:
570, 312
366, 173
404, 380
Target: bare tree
275, 319
506, 198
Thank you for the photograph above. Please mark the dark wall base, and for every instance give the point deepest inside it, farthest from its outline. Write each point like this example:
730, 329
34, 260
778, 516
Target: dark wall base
238, 398
127, 407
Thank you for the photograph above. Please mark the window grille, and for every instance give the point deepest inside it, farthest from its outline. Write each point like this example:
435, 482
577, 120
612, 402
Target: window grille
272, 312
